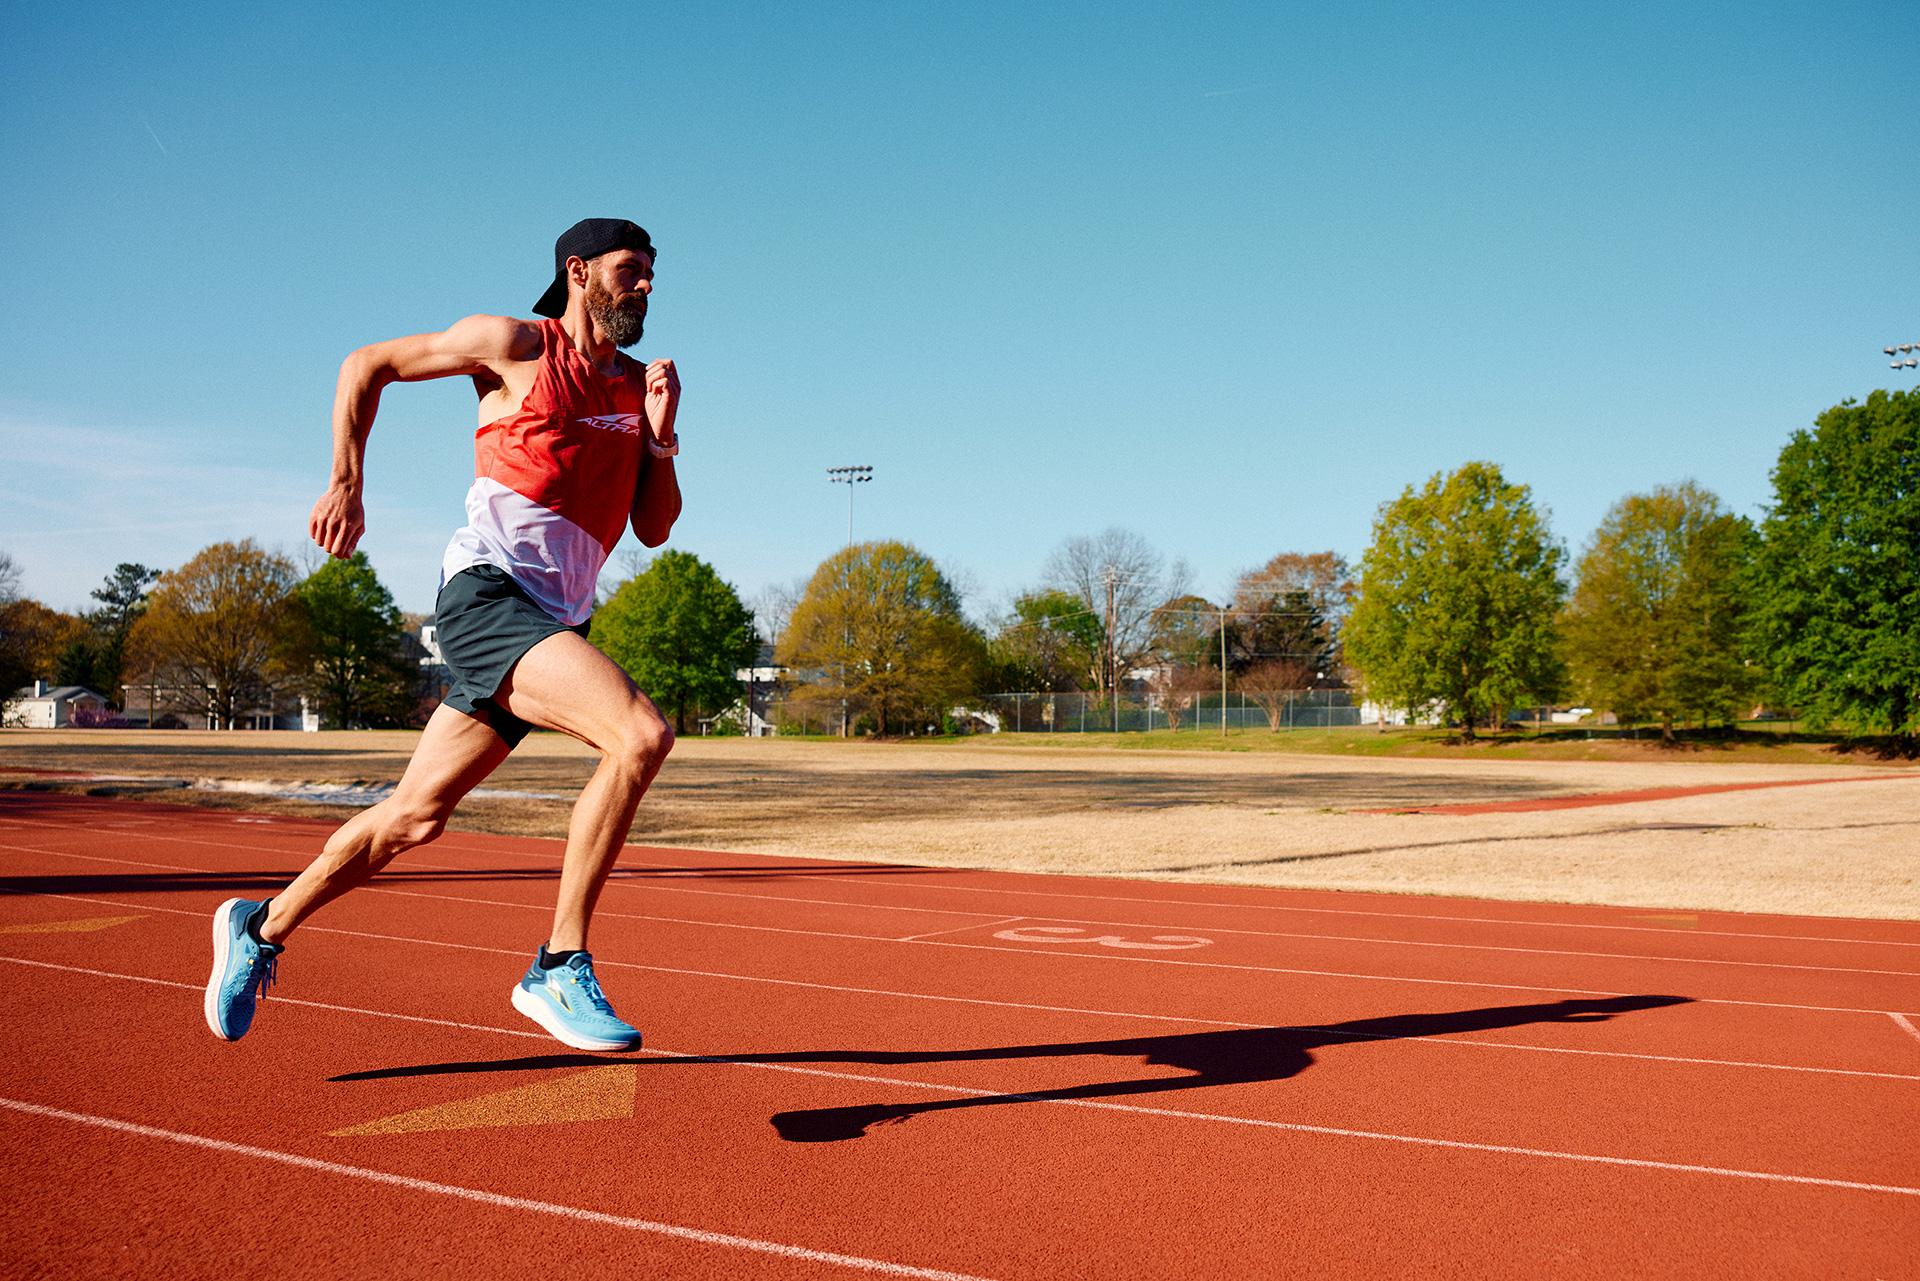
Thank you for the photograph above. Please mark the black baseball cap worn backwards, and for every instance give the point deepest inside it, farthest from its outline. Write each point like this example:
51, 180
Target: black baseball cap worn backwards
587, 240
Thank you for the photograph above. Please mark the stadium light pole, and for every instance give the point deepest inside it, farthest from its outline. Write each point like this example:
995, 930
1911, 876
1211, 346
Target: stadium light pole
848, 476
1905, 355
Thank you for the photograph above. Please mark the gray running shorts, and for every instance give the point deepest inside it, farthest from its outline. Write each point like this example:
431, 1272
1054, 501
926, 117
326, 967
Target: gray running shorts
485, 622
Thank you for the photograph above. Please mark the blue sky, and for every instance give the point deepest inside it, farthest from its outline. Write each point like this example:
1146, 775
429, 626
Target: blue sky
1227, 275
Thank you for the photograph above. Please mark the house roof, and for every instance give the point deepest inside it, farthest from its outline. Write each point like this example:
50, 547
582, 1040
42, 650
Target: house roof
63, 694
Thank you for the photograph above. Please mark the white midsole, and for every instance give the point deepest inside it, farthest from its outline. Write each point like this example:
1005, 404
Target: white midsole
222, 940
543, 1014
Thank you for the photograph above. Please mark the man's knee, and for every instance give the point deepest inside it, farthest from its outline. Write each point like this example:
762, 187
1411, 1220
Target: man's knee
409, 823
646, 744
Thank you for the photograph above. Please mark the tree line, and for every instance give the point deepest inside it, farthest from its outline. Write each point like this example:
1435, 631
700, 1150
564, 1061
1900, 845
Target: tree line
1464, 607
234, 630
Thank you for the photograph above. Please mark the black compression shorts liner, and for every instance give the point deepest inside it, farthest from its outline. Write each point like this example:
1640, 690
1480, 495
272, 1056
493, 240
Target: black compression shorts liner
484, 623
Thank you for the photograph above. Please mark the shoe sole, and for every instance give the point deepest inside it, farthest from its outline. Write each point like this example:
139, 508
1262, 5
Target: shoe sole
542, 1013
222, 942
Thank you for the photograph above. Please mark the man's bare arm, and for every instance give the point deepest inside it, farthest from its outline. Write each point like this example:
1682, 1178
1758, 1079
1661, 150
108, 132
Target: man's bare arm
476, 345
656, 499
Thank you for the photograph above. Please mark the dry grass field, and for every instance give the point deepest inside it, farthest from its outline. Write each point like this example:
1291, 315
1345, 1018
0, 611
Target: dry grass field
1266, 818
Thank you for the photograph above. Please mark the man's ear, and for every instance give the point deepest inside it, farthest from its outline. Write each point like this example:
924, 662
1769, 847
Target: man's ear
577, 271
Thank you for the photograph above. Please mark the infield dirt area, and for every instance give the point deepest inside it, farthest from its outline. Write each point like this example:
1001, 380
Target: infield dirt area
1847, 844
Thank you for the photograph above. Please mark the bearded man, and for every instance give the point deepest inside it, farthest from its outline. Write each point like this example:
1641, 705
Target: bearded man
576, 443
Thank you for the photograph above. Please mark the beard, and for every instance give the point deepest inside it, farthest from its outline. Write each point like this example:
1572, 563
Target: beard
621, 320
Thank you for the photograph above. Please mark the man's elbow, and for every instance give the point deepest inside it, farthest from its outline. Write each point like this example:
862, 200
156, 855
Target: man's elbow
652, 533
366, 367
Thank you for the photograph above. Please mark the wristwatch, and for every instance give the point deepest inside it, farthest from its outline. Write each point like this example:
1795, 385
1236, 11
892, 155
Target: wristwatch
667, 450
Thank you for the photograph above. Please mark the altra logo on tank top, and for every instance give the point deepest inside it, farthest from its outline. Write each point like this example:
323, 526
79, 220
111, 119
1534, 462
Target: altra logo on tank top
629, 423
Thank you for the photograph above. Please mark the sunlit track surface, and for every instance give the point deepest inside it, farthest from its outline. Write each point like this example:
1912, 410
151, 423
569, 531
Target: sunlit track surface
918, 1072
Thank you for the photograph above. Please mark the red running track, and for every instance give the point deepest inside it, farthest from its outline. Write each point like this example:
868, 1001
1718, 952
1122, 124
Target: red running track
856, 1070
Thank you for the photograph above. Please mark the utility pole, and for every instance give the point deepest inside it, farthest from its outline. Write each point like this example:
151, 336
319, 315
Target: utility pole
1113, 671
1223, 671
848, 476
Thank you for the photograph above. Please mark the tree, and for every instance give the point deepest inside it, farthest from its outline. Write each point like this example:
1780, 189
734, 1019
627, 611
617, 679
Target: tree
1325, 578
1273, 683
95, 656
1458, 593
213, 627
1654, 626
1051, 642
1178, 686
1185, 632
880, 629
681, 633
346, 648
1837, 578
32, 640
1083, 567
1287, 627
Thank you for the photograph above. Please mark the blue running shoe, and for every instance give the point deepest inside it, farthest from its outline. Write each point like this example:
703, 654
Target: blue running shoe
567, 1001
242, 969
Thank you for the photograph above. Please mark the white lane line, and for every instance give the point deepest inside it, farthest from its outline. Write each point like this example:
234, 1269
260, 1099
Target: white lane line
894, 881
1112, 956
1462, 1042
959, 929
628, 883
1169, 1113
1026, 951
498, 1200
1906, 1024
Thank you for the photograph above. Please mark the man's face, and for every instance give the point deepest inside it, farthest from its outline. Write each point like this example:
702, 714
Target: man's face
617, 287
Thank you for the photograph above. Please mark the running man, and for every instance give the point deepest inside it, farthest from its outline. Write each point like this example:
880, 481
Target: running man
576, 443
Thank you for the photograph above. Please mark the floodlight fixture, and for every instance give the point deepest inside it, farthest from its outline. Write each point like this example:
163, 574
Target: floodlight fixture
1888, 349
849, 476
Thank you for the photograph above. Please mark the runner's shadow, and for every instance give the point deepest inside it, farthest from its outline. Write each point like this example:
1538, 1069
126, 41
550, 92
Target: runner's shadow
1239, 1056
1235, 1056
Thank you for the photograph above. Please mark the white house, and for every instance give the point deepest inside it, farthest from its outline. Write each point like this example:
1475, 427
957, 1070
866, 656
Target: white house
40, 706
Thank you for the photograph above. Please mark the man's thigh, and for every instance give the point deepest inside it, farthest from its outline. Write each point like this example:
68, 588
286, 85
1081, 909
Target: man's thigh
566, 684
455, 754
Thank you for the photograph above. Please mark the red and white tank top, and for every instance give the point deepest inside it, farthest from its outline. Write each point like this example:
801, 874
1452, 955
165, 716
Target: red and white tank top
554, 481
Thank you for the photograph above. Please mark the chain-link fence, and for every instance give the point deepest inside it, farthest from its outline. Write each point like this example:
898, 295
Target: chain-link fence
1087, 713
1084, 713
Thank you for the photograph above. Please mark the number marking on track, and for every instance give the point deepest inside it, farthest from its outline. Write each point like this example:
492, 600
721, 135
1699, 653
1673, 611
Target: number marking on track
1071, 934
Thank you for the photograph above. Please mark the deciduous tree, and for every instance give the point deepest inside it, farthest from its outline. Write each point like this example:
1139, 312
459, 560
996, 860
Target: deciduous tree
1837, 582
213, 627
1274, 683
345, 647
1140, 577
1179, 686
681, 632
880, 627
1458, 593
1654, 626
32, 639
1325, 578
1050, 642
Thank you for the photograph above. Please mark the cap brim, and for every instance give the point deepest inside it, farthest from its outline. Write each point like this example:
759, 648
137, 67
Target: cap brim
553, 302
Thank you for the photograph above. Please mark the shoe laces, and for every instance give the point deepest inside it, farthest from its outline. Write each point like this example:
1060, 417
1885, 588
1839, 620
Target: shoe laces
264, 964
589, 985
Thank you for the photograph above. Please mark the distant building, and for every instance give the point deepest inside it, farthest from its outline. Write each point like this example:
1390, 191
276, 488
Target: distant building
40, 706
763, 682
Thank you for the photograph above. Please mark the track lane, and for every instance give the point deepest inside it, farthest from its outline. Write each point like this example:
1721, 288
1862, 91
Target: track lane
1116, 1190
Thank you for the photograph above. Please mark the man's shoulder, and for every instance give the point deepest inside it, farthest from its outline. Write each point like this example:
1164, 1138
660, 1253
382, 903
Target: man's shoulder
499, 337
